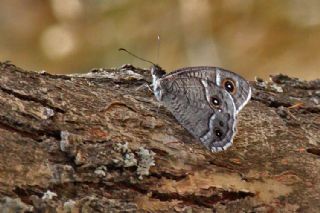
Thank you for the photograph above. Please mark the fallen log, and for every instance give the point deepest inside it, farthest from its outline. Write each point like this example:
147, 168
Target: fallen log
100, 142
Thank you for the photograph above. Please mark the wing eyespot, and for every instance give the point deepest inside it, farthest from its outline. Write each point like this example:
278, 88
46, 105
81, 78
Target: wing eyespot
218, 133
215, 103
229, 85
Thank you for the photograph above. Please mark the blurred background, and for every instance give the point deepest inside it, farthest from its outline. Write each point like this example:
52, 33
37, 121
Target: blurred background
253, 38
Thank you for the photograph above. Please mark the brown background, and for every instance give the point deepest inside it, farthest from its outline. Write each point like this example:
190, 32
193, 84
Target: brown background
253, 38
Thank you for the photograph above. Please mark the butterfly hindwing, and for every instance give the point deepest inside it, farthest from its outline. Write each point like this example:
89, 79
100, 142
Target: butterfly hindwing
203, 108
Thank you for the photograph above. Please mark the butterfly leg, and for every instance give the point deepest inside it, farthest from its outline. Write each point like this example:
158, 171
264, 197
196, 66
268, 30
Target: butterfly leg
145, 85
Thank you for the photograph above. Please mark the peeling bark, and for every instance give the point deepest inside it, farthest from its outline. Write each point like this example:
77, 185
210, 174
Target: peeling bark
99, 142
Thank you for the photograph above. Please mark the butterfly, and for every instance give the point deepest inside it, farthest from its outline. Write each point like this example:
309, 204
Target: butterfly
204, 100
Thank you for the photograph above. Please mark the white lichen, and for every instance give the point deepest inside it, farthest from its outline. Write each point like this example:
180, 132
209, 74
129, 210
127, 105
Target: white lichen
48, 195
129, 160
101, 171
276, 88
47, 113
123, 148
68, 206
64, 142
143, 159
260, 82
146, 160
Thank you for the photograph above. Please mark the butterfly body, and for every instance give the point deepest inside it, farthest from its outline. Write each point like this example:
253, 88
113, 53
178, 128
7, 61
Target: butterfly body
205, 100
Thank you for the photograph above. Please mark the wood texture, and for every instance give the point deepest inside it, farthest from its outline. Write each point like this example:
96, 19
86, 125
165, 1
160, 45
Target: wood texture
99, 142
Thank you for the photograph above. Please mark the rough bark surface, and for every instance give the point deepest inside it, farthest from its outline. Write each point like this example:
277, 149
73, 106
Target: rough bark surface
99, 142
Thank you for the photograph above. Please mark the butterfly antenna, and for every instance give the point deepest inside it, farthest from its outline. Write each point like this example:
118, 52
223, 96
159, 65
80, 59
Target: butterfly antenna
142, 59
158, 48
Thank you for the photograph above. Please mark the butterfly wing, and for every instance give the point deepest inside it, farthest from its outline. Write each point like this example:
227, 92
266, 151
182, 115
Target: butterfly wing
204, 109
235, 85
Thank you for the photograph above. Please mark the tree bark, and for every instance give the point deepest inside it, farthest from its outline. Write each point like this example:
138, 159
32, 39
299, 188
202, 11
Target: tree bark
100, 142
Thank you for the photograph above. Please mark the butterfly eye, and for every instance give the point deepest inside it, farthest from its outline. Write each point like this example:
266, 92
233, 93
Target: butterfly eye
229, 85
218, 133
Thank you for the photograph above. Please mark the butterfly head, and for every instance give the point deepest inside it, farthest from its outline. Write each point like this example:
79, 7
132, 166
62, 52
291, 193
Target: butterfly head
157, 72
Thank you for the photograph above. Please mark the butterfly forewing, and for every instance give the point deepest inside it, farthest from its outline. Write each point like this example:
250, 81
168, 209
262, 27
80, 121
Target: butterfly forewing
240, 90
